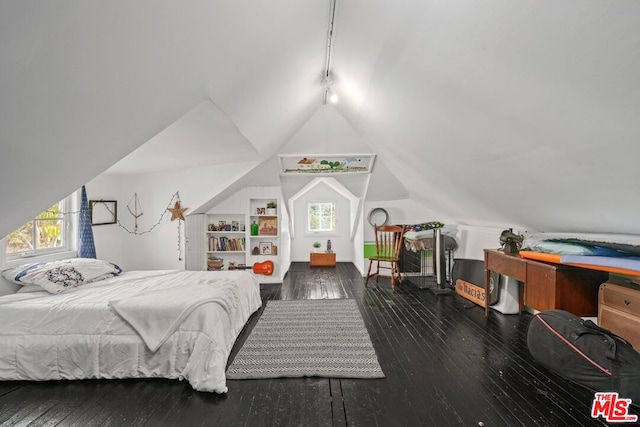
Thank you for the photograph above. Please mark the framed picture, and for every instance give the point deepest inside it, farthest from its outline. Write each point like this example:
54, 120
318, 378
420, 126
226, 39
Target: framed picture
235, 225
268, 226
261, 211
265, 248
103, 212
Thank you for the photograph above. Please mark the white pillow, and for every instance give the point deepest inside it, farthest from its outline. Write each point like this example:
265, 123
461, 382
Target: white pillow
56, 276
29, 288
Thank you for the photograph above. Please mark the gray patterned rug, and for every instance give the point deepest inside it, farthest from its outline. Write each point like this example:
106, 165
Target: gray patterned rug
308, 338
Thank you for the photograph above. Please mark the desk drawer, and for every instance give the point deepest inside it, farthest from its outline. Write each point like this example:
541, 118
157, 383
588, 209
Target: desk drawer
620, 298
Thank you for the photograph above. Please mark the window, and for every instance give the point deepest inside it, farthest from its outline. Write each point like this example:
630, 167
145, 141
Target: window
321, 217
48, 233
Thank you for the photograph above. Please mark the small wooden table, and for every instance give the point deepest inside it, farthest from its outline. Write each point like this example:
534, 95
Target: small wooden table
547, 286
322, 259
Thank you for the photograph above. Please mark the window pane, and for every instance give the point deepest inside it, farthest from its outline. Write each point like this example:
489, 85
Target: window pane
21, 240
46, 231
321, 217
49, 233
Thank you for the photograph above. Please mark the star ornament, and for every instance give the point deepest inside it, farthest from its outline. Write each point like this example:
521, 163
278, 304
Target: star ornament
177, 212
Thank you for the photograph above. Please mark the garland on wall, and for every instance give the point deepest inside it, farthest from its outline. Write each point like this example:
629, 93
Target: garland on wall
174, 206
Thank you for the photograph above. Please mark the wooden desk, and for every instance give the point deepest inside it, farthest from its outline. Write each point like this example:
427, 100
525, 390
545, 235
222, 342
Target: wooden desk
547, 286
322, 259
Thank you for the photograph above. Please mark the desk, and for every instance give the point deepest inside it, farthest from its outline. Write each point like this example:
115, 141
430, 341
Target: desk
322, 259
547, 286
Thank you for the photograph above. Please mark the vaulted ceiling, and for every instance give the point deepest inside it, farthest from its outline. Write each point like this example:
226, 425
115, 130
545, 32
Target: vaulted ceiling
496, 112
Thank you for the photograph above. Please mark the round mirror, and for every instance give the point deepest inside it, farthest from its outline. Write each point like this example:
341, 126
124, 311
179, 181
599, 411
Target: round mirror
377, 216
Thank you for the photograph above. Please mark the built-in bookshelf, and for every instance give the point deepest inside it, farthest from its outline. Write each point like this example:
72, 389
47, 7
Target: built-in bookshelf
225, 241
264, 235
237, 234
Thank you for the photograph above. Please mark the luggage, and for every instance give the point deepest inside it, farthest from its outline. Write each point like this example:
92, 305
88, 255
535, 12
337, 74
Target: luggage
584, 353
619, 311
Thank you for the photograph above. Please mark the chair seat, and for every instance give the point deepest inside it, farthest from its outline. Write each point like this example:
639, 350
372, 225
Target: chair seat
384, 258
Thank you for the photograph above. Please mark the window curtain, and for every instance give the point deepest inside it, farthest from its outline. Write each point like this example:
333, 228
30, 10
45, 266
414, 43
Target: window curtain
86, 245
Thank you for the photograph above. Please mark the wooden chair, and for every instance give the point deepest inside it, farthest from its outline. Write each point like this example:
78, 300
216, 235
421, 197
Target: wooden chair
388, 247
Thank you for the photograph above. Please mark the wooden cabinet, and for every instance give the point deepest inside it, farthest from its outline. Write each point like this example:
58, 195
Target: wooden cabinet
550, 286
322, 259
619, 311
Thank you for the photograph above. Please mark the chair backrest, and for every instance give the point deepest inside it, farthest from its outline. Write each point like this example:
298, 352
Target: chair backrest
389, 240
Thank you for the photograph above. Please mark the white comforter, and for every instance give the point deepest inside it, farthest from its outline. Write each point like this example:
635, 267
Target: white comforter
76, 334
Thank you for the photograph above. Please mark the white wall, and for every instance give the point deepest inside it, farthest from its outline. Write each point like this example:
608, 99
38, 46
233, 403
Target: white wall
108, 238
301, 244
159, 240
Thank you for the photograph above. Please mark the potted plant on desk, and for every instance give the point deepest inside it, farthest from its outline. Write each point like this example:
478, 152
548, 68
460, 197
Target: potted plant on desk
316, 246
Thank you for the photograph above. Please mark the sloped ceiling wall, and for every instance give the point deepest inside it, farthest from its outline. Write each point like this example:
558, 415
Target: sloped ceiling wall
497, 112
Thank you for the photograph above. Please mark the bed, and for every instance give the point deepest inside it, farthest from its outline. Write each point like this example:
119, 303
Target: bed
137, 324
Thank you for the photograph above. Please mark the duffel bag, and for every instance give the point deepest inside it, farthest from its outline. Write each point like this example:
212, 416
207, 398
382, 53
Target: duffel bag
582, 352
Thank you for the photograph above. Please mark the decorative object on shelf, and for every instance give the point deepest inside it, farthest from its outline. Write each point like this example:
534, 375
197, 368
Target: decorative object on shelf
268, 226
215, 263
235, 225
177, 212
255, 251
254, 229
271, 208
265, 248
103, 212
316, 245
261, 211
274, 250
265, 267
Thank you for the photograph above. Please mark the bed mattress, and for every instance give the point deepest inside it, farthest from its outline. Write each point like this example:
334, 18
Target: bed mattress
77, 335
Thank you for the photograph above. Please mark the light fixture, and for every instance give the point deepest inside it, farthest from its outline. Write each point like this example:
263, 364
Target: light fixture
332, 96
328, 93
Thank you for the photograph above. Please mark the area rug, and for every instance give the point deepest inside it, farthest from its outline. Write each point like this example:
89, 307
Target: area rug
308, 338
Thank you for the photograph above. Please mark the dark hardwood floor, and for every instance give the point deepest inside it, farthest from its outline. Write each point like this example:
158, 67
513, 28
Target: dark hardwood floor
445, 364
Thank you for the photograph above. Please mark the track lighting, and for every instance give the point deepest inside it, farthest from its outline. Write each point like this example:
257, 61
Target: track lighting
332, 96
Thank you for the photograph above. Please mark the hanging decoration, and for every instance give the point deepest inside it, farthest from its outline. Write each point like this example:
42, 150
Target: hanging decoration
177, 212
86, 244
134, 213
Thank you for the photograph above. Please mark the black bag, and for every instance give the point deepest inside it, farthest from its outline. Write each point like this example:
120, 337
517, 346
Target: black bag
582, 352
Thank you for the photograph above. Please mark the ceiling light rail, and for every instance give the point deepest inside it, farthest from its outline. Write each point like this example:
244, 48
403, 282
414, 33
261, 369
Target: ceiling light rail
328, 93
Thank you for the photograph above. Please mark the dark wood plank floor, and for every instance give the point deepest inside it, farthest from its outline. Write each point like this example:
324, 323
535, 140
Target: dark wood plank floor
445, 364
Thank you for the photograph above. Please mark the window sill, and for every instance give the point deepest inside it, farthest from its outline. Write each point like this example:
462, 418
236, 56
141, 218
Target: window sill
15, 262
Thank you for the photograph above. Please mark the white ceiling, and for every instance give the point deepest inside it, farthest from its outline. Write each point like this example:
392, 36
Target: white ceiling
497, 112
